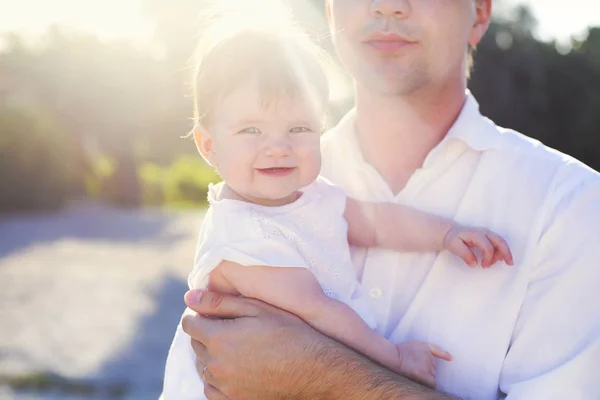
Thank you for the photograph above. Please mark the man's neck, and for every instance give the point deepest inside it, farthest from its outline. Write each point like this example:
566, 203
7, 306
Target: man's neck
396, 133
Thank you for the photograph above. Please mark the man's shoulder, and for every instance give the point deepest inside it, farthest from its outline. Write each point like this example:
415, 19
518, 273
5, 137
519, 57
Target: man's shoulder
531, 161
528, 152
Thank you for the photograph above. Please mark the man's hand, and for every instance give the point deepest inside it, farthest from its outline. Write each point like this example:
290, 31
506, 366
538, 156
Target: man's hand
251, 350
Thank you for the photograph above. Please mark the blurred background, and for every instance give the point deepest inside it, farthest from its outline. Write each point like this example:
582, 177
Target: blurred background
101, 197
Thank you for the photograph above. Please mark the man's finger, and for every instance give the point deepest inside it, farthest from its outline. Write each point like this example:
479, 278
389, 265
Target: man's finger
220, 305
199, 364
199, 327
212, 393
201, 354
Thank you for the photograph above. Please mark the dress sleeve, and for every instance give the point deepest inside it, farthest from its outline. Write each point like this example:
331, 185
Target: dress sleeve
331, 195
232, 237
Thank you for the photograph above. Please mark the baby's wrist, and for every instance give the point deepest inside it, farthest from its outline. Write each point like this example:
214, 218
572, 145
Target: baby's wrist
448, 233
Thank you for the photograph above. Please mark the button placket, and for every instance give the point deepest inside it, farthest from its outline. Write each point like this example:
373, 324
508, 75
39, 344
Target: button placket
377, 282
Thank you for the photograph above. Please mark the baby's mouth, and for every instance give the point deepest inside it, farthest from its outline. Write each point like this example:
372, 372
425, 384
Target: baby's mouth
276, 171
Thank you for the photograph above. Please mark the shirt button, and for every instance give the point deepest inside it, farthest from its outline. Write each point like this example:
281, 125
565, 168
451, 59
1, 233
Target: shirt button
375, 293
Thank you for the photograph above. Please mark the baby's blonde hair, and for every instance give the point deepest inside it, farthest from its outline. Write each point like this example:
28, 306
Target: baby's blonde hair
237, 47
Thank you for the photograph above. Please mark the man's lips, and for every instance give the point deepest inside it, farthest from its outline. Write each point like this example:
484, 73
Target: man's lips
387, 42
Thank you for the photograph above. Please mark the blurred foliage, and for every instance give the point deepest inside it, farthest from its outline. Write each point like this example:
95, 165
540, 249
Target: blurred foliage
82, 117
96, 177
181, 184
544, 90
36, 172
184, 183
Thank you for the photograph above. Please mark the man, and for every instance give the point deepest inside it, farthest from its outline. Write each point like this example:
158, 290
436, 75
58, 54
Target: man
416, 136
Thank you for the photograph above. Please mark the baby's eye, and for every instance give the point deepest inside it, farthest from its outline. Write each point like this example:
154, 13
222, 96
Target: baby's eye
299, 129
251, 130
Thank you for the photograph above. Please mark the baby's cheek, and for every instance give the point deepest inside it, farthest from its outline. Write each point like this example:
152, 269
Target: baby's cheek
313, 164
235, 172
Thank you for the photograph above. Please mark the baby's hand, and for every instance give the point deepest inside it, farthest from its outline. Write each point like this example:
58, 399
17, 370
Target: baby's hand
460, 240
419, 361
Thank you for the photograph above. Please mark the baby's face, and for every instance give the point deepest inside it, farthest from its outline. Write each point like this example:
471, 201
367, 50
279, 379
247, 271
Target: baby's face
265, 151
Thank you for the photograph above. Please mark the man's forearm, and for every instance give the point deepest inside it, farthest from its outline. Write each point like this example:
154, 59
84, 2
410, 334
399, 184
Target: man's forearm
341, 373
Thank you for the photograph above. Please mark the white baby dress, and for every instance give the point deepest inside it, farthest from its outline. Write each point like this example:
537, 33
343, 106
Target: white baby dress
310, 232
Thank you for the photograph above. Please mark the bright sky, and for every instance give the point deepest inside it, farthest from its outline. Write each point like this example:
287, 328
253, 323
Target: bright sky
121, 18
560, 19
106, 18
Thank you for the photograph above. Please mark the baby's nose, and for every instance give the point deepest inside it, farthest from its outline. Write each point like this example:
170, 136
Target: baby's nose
278, 147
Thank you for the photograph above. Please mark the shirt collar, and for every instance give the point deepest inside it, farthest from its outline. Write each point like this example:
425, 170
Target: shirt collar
472, 128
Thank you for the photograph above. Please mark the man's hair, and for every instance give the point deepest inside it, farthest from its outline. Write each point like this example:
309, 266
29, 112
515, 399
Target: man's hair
470, 60
281, 59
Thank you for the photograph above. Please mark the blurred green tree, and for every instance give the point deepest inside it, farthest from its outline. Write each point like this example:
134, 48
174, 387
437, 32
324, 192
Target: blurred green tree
36, 171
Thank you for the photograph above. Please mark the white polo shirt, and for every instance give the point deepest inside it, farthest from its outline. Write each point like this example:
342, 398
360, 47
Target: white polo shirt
531, 331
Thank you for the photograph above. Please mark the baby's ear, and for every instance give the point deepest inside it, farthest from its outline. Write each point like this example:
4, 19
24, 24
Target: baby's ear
204, 143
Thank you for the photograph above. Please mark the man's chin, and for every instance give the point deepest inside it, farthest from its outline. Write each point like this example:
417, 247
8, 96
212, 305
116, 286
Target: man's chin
396, 84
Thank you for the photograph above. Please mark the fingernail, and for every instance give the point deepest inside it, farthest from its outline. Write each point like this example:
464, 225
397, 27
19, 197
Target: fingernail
192, 297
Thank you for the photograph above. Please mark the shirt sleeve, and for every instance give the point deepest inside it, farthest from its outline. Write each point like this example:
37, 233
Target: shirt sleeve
231, 237
555, 348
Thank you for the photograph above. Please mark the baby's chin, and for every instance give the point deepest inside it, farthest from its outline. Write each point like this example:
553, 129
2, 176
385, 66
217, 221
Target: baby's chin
276, 197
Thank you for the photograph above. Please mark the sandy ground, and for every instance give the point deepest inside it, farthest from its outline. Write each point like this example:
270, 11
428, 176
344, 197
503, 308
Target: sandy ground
90, 298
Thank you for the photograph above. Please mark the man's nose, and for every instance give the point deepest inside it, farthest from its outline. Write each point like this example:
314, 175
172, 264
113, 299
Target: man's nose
390, 8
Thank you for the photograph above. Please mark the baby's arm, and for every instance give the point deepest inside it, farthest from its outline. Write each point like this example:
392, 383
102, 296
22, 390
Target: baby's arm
296, 290
404, 228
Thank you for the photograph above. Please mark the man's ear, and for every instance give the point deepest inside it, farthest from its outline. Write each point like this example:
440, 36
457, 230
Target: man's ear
483, 15
204, 144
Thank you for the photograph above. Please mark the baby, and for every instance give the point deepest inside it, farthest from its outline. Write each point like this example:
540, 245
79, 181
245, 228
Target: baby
277, 231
